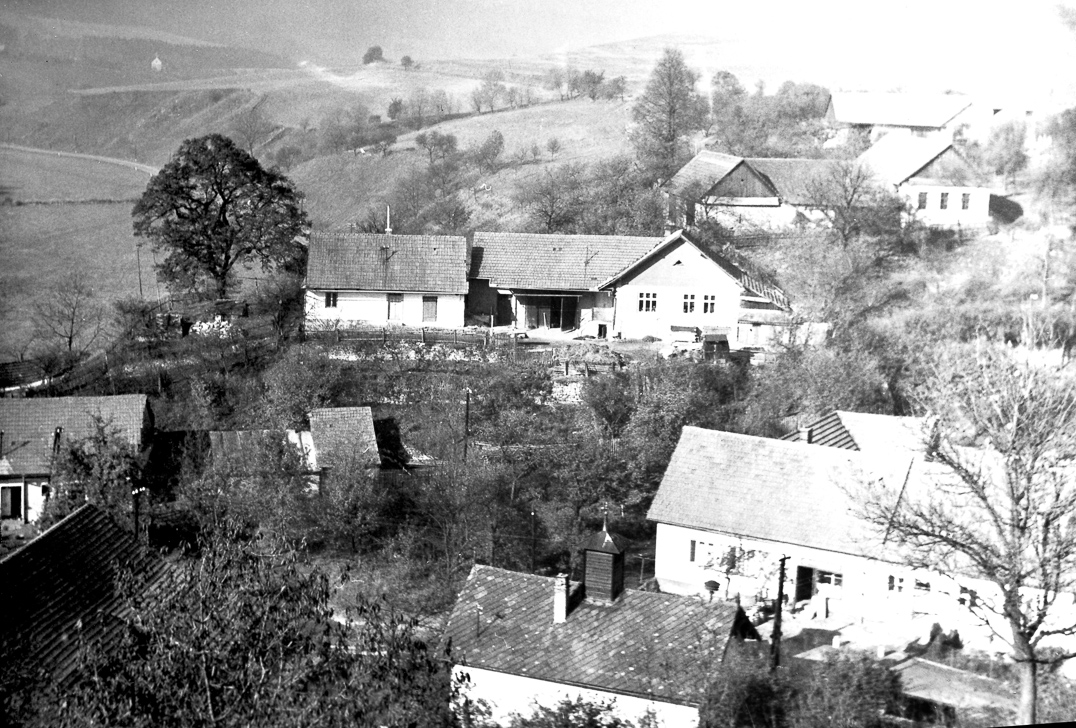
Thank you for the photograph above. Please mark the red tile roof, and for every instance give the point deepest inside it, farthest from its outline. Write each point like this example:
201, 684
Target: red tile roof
644, 644
369, 262
60, 590
773, 490
29, 425
554, 262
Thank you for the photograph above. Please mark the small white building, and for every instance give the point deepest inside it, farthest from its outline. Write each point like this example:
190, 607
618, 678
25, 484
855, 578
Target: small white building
34, 430
156, 64
521, 640
940, 186
372, 279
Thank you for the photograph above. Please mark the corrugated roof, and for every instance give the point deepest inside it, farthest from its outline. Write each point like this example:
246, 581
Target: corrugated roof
554, 262
29, 425
702, 172
915, 110
644, 644
868, 432
896, 157
343, 438
60, 590
773, 490
370, 262
794, 179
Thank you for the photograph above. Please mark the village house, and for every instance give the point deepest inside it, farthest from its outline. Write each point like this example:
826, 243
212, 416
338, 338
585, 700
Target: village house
549, 281
33, 430
521, 640
879, 114
372, 279
61, 592
941, 187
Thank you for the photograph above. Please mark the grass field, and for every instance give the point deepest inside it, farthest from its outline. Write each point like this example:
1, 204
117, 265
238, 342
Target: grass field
33, 176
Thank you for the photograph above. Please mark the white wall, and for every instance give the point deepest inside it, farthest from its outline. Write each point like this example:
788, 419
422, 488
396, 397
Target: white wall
977, 214
373, 307
507, 694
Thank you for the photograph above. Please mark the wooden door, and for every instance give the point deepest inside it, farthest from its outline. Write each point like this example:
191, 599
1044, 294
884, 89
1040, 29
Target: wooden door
395, 306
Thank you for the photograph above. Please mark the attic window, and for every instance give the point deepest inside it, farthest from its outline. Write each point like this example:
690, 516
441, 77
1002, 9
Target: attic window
678, 263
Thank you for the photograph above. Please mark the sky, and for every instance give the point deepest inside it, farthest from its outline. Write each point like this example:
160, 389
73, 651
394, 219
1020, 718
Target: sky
1009, 44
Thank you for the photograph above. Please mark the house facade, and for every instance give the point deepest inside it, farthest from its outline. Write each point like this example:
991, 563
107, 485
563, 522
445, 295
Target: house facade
410, 280
939, 185
521, 640
549, 281
682, 284
35, 429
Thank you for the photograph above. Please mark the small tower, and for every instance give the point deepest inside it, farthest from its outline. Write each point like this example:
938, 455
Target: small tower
603, 565
156, 64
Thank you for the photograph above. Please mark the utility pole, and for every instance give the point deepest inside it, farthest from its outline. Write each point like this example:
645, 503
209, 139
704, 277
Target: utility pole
466, 423
532, 542
775, 638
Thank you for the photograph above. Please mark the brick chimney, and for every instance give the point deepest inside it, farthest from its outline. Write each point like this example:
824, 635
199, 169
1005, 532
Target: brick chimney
560, 598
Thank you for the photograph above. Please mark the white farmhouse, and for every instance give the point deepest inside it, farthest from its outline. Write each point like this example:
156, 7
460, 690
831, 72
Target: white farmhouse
414, 280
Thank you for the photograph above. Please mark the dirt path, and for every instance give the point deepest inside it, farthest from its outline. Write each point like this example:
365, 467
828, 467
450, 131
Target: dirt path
107, 160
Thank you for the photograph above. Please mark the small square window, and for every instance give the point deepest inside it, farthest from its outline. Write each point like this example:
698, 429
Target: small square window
922, 200
331, 299
944, 204
689, 303
965, 201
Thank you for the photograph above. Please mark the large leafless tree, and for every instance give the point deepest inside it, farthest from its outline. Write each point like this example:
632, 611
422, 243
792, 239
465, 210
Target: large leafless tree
1002, 508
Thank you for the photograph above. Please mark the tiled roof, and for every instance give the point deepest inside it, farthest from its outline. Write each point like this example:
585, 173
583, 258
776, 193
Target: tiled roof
701, 173
896, 157
793, 178
922, 110
344, 437
369, 262
61, 590
554, 262
20, 373
29, 425
947, 685
645, 643
868, 432
767, 489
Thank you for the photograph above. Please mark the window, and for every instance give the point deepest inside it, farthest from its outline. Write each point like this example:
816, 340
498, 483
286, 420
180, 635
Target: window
944, 204
896, 584
689, 216
648, 302
922, 585
429, 308
922, 200
701, 552
12, 502
395, 306
709, 304
689, 303
828, 577
965, 201
692, 557
331, 299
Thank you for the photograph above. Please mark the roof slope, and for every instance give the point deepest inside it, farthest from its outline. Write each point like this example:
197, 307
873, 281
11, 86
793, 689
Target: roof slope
61, 589
645, 643
947, 685
793, 178
369, 262
554, 262
702, 172
766, 489
344, 437
895, 158
29, 425
916, 110
868, 432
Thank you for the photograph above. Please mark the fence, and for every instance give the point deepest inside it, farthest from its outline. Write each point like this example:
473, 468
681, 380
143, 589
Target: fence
397, 334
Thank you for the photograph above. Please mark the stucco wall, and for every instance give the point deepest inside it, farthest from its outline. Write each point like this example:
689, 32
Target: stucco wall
507, 694
977, 214
678, 271
373, 308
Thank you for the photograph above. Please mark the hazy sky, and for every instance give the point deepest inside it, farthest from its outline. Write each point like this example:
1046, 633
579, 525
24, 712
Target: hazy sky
1010, 43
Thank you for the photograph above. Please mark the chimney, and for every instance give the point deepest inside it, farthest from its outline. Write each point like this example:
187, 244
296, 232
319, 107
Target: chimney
1, 443
806, 434
560, 598
56, 435
603, 565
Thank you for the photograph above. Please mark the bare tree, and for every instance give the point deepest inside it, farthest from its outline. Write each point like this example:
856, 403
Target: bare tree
69, 315
1001, 508
853, 203
252, 126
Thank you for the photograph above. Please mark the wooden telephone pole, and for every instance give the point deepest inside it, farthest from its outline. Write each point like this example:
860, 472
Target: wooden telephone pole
775, 638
